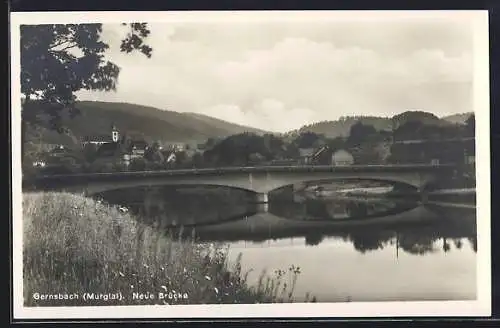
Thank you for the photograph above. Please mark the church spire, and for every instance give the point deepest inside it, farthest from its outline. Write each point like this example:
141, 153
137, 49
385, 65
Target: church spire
114, 133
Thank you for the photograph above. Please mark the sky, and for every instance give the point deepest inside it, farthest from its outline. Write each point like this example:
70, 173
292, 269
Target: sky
281, 75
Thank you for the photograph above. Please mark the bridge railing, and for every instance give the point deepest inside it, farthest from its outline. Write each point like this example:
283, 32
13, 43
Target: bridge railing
251, 169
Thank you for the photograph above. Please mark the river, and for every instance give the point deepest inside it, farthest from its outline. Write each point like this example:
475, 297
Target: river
348, 248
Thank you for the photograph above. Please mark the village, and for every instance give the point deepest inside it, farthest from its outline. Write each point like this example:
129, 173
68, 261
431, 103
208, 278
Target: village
118, 151
112, 151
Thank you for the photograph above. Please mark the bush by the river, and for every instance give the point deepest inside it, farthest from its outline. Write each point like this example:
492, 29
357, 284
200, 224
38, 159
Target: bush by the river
76, 245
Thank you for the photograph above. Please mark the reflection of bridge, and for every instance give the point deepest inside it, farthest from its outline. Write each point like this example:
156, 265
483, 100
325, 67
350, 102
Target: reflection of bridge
263, 225
260, 180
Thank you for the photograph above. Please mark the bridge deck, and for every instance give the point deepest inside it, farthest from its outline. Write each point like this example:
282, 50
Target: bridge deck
238, 170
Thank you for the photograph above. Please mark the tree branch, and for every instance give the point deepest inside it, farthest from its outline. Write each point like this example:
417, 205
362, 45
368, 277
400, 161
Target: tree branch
58, 44
65, 48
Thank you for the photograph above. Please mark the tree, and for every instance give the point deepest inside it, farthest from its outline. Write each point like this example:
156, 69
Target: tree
198, 160
237, 149
138, 164
89, 153
306, 139
181, 158
360, 132
409, 130
274, 145
336, 143
470, 125
58, 60
210, 143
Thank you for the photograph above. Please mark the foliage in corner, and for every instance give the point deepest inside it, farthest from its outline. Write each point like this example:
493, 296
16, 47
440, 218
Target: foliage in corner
58, 60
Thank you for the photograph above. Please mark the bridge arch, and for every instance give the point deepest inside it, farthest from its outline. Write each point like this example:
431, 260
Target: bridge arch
258, 180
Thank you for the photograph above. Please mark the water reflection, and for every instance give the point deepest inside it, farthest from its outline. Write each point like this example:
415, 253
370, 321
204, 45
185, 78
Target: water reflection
369, 224
169, 206
340, 208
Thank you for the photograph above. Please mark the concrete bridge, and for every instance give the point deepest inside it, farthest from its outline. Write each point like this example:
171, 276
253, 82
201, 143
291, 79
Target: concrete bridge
261, 179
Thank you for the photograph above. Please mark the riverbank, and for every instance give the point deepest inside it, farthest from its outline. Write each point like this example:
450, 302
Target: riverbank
78, 251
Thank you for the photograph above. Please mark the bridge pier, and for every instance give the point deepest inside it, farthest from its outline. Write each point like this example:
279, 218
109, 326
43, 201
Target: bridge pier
424, 195
261, 198
263, 208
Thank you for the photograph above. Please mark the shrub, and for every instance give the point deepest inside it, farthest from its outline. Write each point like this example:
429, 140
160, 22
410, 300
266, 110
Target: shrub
137, 164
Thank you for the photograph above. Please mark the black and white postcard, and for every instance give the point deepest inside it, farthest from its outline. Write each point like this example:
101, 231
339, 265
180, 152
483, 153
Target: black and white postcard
250, 164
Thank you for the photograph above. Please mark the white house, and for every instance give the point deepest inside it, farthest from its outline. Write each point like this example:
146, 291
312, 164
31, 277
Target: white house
342, 157
306, 155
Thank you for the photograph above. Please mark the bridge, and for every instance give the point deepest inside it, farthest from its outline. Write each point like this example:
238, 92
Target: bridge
260, 179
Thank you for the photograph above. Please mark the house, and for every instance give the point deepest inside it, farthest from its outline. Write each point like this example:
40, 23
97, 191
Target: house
58, 158
427, 151
59, 151
46, 147
169, 158
306, 155
177, 147
96, 140
99, 140
322, 156
137, 148
190, 152
108, 155
342, 157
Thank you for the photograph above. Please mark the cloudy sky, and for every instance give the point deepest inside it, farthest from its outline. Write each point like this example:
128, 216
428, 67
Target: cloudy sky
281, 75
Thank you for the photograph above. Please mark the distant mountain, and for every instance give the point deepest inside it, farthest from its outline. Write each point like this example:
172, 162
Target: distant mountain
342, 126
227, 126
150, 123
457, 118
421, 116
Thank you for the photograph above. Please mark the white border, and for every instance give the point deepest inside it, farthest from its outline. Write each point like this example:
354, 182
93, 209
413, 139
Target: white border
480, 307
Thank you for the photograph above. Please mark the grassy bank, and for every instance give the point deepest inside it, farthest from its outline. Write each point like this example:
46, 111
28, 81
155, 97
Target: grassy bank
76, 247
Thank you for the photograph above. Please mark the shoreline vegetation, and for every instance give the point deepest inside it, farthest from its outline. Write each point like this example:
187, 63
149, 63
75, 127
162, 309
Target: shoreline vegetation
79, 251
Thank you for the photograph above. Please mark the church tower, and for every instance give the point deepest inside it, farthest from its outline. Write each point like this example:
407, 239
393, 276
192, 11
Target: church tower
114, 133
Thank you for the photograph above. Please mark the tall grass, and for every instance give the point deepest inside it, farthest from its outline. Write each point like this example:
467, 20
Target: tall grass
76, 245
